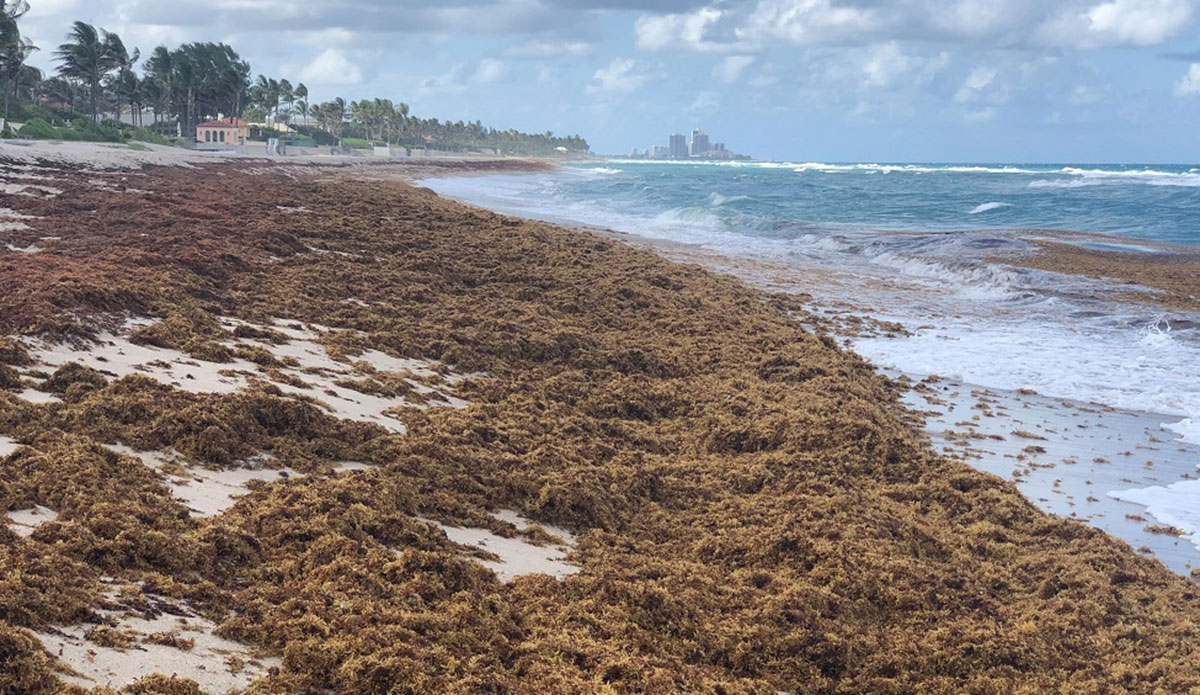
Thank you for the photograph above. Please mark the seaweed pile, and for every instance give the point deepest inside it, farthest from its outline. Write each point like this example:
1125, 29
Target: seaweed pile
752, 512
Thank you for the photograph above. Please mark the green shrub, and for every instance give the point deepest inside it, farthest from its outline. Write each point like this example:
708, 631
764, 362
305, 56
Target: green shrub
40, 130
148, 135
356, 143
318, 136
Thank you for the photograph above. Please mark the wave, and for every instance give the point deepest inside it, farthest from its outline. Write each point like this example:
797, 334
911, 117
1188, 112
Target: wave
1175, 505
1062, 183
604, 170
1153, 177
689, 216
1188, 430
1083, 176
988, 206
716, 200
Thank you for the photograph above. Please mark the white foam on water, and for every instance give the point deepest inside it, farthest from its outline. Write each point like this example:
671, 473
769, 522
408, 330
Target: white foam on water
1145, 370
1176, 505
987, 207
1188, 430
716, 200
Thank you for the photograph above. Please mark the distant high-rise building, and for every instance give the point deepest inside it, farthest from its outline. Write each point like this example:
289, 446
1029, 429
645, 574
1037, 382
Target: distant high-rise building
718, 147
699, 143
678, 146
660, 152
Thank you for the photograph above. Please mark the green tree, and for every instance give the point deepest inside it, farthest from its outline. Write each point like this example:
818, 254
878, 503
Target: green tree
14, 50
124, 83
86, 56
301, 94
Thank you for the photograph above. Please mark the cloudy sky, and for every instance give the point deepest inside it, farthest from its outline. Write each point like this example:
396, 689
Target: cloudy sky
831, 80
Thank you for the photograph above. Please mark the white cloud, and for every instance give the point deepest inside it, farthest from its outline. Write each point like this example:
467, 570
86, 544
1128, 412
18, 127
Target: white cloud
731, 68
706, 29
489, 70
705, 101
548, 49
750, 25
976, 82
887, 66
330, 68
1140, 22
1189, 84
621, 76
335, 37
449, 82
459, 79
979, 115
809, 21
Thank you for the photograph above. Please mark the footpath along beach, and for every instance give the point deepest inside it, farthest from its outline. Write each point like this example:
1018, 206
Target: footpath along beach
291, 427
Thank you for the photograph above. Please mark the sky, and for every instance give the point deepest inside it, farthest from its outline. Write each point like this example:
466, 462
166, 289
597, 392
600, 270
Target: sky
1101, 81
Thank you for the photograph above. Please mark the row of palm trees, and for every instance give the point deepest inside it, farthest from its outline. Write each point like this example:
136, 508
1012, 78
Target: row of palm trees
382, 121
97, 74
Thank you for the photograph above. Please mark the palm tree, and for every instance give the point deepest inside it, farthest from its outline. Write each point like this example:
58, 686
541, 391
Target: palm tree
86, 57
287, 94
14, 48
267, 92
125, 82
301, 94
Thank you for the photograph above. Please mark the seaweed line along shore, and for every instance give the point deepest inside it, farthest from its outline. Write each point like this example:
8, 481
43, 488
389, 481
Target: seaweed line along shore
341, 434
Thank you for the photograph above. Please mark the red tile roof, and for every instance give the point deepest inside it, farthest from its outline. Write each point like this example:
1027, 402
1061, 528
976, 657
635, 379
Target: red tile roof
225, 123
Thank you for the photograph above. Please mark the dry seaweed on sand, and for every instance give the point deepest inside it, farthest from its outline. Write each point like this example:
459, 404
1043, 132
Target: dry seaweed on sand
754, 513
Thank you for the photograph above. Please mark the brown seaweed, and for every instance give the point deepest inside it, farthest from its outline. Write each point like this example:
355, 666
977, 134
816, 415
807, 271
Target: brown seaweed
756, 512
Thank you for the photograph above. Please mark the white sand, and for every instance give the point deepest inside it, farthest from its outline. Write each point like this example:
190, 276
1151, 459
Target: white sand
218, 665
39, 397
207, 492
25, 521
25, 188
116, 356
102, 155
7, 445
517, 555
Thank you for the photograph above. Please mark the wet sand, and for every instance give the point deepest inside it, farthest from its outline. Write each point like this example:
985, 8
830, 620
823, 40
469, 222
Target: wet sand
1068, 457
1170, 274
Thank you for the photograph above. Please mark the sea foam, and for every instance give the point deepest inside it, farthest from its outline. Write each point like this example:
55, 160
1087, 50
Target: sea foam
988, 207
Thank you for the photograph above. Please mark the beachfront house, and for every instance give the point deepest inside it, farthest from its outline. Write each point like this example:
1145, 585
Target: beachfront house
223, 131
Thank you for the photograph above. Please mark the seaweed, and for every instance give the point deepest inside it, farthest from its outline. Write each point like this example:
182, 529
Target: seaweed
755, 512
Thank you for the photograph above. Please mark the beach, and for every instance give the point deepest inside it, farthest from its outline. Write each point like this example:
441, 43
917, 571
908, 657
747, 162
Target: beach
347, 435
1102, 326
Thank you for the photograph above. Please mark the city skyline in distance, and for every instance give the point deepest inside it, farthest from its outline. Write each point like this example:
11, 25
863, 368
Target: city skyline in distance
701, 147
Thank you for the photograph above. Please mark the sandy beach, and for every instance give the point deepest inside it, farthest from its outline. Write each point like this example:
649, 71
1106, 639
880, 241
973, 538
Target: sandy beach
303, 427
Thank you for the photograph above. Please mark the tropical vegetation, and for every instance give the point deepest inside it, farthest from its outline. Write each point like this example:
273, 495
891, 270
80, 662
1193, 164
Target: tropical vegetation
102, 90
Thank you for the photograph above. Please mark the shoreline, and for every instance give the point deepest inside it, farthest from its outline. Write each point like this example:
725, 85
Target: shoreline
1057, 493
401, 385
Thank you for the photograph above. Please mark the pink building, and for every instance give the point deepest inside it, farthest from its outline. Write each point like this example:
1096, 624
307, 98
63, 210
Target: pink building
224, 131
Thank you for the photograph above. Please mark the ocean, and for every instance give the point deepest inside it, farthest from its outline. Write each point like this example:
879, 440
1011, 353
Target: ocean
924, 245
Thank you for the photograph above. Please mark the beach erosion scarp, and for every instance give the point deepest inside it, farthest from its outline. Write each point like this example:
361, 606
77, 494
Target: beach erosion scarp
463, 452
